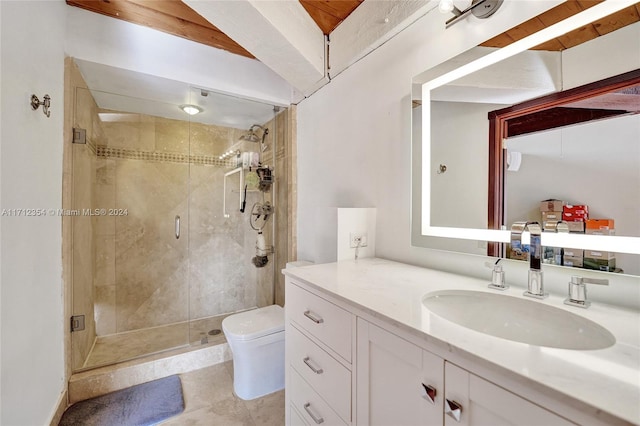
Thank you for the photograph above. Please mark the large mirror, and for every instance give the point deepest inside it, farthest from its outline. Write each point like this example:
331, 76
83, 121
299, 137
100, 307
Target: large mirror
596, 163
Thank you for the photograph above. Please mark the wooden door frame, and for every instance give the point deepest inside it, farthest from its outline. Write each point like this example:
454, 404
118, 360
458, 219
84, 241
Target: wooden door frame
500, 121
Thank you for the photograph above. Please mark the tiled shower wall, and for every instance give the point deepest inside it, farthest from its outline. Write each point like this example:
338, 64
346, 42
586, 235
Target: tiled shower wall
156, 169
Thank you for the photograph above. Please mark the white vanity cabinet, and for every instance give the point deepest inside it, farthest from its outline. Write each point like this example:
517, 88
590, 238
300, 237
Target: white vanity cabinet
319, 346
400, 383
363, 349
484, 403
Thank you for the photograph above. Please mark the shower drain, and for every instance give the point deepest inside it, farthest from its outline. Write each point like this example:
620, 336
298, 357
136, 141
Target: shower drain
214, 332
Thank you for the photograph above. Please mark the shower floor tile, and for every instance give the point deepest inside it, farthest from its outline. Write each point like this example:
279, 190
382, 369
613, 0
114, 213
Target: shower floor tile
121, 347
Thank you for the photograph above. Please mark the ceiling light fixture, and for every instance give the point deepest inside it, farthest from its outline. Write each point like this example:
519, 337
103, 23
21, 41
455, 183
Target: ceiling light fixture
191, 109
481, 9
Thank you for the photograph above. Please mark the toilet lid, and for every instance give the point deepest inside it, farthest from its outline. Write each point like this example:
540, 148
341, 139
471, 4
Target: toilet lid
255, 323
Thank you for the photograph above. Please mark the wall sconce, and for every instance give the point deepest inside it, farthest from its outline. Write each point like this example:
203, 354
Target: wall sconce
46, 104
481, 9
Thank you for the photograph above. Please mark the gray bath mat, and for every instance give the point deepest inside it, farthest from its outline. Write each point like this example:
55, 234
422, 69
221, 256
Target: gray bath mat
145, 404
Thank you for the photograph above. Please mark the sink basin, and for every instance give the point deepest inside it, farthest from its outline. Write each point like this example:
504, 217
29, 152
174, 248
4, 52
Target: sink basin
518, 320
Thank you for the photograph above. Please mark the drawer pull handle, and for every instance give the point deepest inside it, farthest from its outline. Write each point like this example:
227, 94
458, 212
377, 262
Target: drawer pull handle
308, 361
429, 393
452, 409
307, 408
313, 318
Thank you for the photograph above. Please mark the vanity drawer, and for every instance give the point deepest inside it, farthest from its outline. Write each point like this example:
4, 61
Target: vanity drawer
313, 409
330, 379
295, 418
322, 319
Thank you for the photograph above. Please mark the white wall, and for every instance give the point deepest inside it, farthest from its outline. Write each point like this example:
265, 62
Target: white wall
459, 134
354, 147
354, 135
32, 367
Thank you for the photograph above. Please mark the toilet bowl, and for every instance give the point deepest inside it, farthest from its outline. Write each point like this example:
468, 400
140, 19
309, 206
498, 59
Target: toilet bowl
256, 339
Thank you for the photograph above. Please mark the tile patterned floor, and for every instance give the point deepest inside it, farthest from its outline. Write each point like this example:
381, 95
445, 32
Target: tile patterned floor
210, 401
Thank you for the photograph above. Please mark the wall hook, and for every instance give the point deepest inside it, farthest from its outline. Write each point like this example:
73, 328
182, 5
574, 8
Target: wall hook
442, 169
46, 104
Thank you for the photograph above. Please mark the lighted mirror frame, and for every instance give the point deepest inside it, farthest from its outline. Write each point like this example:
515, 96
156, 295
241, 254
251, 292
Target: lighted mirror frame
612, 243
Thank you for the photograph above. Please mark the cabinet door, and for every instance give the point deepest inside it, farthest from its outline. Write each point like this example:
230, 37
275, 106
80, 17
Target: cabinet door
483, 403
392, 378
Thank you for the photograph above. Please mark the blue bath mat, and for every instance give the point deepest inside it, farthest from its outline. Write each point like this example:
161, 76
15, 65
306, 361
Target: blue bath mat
140, 405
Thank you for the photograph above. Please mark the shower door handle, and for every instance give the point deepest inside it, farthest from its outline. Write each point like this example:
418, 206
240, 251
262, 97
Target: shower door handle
177, 227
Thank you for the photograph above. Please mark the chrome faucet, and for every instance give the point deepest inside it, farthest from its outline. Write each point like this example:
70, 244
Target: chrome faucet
535, 284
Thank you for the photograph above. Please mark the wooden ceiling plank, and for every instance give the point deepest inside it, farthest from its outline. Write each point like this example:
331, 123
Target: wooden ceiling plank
500, 40
559, 13
174, 8
578, 36
551, 46
140, 15
617, 20
532, 26
338, 8
574, 38
586, 4
326, 21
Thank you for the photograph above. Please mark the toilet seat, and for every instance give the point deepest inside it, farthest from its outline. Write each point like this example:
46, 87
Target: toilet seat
253, 324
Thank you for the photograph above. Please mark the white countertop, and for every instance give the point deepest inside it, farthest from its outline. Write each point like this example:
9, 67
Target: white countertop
606, 379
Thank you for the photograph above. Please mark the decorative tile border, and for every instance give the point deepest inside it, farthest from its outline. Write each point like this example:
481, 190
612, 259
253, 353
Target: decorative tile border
129, 154
92, 146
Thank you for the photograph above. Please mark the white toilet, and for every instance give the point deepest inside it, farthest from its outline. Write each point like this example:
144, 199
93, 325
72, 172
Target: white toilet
256, 339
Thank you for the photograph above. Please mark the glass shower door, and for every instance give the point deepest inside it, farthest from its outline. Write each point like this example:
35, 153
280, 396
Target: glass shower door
130, 249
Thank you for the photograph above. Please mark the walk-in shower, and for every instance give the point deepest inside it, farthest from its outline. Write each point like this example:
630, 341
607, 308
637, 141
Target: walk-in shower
163, 266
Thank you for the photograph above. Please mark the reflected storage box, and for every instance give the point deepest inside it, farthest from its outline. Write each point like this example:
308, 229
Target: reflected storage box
601, 231
575, 261
574, 252
575, 212
599, 254
552, 205
577, 226
552, 216
600, 224
519, 251
607, 265
552, 255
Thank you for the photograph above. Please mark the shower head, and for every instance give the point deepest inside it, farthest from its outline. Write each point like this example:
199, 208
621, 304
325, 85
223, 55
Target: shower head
252, 136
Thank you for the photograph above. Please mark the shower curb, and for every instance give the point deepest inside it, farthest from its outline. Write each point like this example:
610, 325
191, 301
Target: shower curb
100, 381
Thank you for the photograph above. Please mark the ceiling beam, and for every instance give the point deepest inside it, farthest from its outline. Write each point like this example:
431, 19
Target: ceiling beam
369, 26
281, 34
